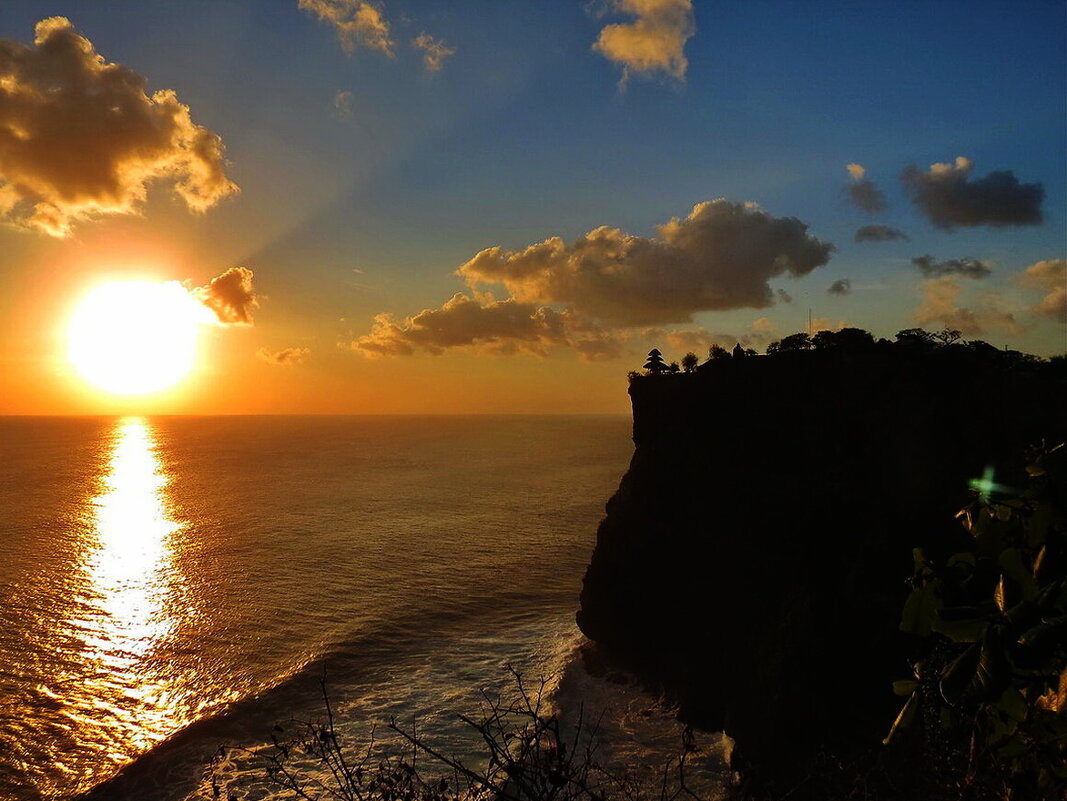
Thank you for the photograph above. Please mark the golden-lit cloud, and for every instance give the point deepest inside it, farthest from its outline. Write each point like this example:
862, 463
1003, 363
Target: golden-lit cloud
939, 306
434, 51
80, 138
358, 23
654, 42
879, 233
948, 197
700, 340
721, 256
286, 357
1048, 276
862, 192
502, 327
230, 296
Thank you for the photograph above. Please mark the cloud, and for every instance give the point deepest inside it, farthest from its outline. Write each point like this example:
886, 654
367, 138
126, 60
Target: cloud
700, 340
879, 233
862, 192
342, 104
939, 307
654, 42
841, 286
230, 296
824, 324
503, 327
434, 51
783, 296
948, 198
1048, 276
358, 23
286, 357
80, 139
968, 268
719, 257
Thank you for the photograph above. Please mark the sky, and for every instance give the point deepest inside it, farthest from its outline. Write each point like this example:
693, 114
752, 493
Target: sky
475, 206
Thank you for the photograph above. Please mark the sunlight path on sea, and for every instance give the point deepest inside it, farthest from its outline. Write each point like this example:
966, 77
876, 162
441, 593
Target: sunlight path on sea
129, 567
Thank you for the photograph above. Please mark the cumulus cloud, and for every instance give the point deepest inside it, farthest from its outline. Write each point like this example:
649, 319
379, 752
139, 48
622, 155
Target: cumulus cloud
949, 198
1048, 276
862, 192
879, 233
841, 286
654, 42
939, 307
719, 257
504, 326
80, 138
230, 296
358, 23
968, 268
434, 51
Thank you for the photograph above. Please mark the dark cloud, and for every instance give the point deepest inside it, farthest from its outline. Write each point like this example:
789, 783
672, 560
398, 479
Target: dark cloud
879, 233
1048, 276
503, 327
286, 357
719, 257
948, 198
841, 286
230, 296
862, 192
968, 268
79, 138
783, 296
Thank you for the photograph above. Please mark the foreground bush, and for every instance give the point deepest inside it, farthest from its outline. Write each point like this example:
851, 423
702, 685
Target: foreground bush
528, 755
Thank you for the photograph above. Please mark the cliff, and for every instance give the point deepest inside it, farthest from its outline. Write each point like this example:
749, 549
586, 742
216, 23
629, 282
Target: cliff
754, 558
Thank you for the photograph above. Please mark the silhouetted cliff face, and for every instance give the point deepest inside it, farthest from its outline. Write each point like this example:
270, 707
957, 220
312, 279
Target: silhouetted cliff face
754, 557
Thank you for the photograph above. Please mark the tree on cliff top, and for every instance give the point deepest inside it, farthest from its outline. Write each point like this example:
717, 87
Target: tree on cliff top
655, 363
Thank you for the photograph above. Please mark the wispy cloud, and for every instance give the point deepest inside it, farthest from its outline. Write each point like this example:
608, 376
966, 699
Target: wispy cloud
358, 23
434, 51
286, 357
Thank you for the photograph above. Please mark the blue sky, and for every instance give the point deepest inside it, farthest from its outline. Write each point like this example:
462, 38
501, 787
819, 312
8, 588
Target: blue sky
526, 132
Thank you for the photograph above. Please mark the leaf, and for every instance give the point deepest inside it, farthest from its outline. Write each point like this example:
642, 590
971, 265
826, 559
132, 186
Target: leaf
1011, 561
905, 718
905, 687
920, 611
980, 672
965, 630
1013, 704
1039, 643
998, 595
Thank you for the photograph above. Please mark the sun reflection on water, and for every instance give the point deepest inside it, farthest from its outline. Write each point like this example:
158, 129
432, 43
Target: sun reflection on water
130, 572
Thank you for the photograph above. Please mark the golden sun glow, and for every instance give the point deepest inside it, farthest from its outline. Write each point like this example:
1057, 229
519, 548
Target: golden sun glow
135, 337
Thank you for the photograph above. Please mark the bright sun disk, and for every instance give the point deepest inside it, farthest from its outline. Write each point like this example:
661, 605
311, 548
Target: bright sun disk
135, 337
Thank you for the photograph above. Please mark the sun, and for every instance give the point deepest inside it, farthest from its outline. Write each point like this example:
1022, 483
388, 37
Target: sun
135, 337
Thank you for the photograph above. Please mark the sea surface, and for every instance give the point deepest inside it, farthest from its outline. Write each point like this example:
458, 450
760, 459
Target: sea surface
176, 584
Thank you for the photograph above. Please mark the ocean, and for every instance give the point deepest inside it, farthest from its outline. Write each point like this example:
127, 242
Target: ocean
176, 584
